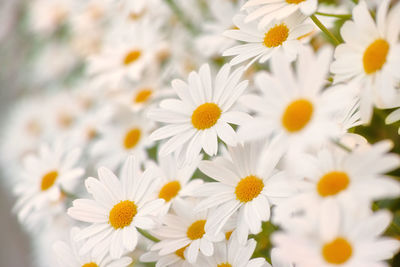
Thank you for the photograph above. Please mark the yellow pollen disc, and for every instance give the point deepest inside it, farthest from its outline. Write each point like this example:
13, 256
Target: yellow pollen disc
276, 35
122, 214
48, 180
294, 1
143, 95
169, 190
228, 235
248, 188
132, 138
224, 265
132, 56
180, 252
196, 230
205, 116
338, 251
375, 56
297, 114
90, 264
332, 183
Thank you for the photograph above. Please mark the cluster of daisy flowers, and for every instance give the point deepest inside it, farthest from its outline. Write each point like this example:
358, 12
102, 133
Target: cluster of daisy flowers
209, 133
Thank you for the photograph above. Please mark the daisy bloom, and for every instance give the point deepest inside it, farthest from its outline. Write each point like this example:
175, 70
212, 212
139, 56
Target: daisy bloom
118, 207
202, 114
370, 56
176, 259
340, 241
184, 233
45, 176
247, 182
295, 106
261, 44
68, 255
174, 182
279, 9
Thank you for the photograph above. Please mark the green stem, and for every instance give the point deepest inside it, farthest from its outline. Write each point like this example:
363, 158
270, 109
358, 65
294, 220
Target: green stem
147, 235
344, 147
178, 12
325, 30
340, 16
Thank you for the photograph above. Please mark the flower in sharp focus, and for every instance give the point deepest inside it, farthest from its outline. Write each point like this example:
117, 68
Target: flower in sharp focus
202, 114
370, 56
279, 9
45, 176
260, 44
118, 207
247, 183
68, 255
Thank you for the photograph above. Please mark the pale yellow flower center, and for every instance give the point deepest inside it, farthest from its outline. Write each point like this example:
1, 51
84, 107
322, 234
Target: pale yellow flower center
249, 188
132, 56
196, 230
224, 265
180, 252
332, 183
294, 1
90, 264
205, 116
132, 138
169, 190
297, 115
143, 95
338, 251
276, 35
375, 56
48, 180
122, 214
228, 235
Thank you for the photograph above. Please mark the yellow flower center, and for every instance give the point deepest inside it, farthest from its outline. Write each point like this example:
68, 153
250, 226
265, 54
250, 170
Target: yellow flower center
276, 35
196, 230
294, 1
297, 115
224, 265
181, 252
169, 190
90, 264
338, 251
228, 235
48, 180
248, 188
132, 138
205, 116
143, 95
332, 183
122, 214
375, 56
132, 56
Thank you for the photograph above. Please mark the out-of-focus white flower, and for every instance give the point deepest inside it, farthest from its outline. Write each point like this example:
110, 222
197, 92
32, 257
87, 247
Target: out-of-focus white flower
118, 207
185, 230
47, 15
68, 255
45, 176
260, 44
370, 56
248, 183
393, 117
278, 9
295, 107
202, 114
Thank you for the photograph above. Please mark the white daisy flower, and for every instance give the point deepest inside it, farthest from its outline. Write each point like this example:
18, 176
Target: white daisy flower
248, 183
340, 241
173, 180
127, 136
202, 114
278, 9
68, 255
176, 259
261, 44
119, 206
45, 176
185, 231
232, 254
370, 56
295, 107
346, 178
